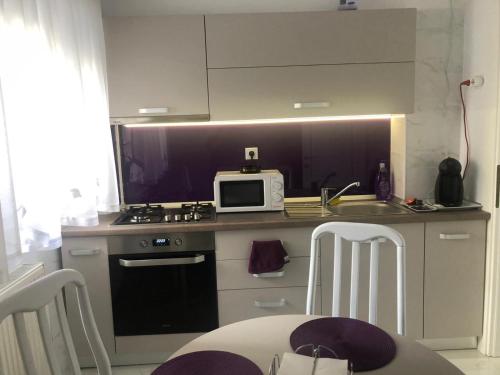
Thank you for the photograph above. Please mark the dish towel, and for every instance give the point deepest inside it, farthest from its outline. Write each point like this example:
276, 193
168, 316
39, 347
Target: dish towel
267, 256
296, 364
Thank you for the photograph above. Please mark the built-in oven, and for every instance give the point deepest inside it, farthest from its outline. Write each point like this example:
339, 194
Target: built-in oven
163, 283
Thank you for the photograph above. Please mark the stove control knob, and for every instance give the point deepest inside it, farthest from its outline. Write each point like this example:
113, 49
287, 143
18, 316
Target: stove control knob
177, 217
168, 218
144, 243
197, 216
178, 241
187, 217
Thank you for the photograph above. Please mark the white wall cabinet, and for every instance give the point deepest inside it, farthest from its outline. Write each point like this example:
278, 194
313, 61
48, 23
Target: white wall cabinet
305, 91
454, 278
156, 66
310, 38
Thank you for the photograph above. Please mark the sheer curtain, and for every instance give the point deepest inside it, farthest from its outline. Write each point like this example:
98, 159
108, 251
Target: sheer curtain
56, 157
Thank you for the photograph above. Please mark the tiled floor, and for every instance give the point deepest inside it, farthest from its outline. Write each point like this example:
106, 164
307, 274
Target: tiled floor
471, 362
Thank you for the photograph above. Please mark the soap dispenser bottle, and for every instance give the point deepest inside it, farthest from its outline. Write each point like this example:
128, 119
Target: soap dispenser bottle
383, 183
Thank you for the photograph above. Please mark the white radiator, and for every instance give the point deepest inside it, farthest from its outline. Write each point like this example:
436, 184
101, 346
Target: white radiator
10, 357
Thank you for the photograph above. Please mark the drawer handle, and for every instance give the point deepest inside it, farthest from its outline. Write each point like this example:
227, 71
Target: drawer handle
280, 303
264, 275
311, 105
153, 111
458, 236
85, 252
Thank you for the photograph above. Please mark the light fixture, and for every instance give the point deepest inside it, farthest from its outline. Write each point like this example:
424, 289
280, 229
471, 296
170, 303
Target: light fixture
293, 120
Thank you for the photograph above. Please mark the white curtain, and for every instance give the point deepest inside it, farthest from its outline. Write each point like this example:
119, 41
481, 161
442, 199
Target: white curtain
56, 157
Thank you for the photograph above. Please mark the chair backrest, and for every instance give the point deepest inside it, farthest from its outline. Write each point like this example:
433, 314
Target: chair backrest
358, 233
36, 297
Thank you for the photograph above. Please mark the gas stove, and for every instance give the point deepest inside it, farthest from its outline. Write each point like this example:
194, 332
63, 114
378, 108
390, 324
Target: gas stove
157, 214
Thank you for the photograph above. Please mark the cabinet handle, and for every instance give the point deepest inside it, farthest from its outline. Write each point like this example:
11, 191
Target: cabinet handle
153, 111
311, 105
264, 275
458, 236
280, 303
85, 252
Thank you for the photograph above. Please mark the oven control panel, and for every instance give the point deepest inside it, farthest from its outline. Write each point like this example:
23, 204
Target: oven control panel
189, 241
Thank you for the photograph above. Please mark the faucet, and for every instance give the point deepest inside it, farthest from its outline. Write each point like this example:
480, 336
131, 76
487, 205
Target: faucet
325, 201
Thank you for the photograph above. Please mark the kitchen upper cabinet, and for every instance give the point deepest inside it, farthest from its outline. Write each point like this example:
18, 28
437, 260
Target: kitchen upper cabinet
454, 279
156, 66
387, 302
310, 38
302, 91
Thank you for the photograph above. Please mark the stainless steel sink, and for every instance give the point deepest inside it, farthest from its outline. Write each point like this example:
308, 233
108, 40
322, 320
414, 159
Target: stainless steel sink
346, 208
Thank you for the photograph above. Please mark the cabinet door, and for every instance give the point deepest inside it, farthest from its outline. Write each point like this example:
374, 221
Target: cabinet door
387, 313
454, 279
156, 62
90, 257
305, 91
310, 38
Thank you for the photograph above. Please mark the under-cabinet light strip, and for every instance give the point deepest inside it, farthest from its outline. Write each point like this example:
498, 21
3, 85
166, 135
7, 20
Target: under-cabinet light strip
267, 121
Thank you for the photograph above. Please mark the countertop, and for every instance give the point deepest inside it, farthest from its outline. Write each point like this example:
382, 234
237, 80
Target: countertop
264, 220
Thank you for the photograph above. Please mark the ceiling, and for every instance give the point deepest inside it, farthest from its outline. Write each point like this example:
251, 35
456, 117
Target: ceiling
165, 7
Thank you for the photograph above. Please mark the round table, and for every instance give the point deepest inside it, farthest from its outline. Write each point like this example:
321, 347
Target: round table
259, 339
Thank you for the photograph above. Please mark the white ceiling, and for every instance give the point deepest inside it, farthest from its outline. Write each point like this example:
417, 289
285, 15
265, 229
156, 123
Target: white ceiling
164, 7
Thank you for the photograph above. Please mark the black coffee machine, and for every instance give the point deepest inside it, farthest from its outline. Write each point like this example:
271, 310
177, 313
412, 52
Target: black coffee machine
449, 184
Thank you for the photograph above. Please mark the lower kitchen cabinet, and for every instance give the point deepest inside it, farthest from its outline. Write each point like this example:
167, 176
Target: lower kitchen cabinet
387, 313
236, 305
90, 257
454, 279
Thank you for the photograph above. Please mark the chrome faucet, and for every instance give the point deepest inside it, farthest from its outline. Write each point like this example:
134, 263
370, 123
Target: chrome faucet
325, 201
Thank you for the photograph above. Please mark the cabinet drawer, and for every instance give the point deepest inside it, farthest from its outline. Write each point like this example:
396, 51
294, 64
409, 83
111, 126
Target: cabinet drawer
233, 274
454, 279
236, 305
305, 91
237, 244
309, 38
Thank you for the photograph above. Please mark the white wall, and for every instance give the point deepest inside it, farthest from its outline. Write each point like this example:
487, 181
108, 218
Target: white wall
481, 57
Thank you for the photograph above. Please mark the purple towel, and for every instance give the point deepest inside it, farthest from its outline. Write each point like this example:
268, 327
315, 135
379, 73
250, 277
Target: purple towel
267, 256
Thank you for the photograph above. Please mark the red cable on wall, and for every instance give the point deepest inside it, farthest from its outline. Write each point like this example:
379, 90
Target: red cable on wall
465, 83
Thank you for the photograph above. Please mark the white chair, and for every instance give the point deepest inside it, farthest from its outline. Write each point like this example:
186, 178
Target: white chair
36, 297
358, 233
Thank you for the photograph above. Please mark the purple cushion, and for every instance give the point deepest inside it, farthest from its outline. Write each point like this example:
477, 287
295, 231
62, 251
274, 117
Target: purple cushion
208, 362
267, 256
366, 346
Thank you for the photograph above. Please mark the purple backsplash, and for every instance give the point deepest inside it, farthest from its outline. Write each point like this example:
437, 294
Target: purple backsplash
177, 164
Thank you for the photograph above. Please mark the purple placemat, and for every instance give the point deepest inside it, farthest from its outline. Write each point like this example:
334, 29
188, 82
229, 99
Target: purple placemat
366, 346
208, 362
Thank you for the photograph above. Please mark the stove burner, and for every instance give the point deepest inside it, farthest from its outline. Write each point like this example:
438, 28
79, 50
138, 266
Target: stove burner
156, 214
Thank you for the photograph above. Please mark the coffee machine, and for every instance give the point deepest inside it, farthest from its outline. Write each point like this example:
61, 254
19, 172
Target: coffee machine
449, 190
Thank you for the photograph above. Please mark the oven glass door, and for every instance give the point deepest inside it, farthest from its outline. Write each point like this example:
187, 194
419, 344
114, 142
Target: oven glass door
246, 193
163, 293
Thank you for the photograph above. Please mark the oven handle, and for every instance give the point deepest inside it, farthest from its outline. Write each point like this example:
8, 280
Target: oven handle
162, 262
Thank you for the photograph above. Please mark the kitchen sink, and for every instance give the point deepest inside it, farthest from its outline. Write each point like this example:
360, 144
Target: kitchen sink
346, 208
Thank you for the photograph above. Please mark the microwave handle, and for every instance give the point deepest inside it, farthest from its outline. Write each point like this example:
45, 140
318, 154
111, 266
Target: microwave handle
161, 262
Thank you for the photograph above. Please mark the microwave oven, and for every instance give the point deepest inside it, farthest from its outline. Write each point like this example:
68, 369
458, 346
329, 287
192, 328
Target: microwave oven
241, 192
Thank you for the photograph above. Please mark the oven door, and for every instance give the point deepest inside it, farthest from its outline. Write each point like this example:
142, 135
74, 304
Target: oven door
163, 293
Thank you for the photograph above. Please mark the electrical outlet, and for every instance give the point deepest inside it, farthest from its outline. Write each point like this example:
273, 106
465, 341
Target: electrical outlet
255, 151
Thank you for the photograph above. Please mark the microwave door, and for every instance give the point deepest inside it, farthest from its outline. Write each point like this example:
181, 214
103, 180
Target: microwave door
243, 193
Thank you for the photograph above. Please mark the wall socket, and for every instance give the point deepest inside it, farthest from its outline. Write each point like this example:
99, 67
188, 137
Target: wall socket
248, 150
